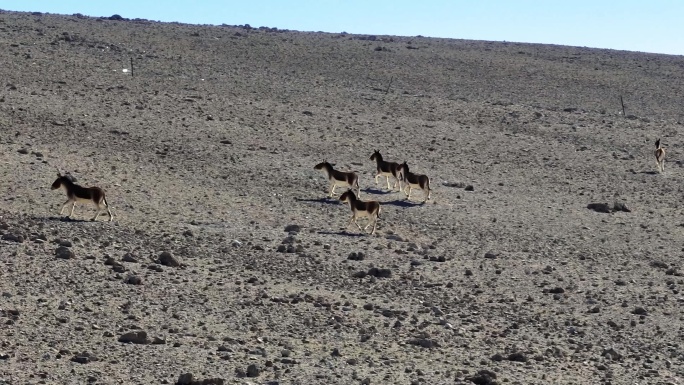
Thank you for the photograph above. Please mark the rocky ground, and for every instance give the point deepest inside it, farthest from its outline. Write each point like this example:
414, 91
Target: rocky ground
225, 263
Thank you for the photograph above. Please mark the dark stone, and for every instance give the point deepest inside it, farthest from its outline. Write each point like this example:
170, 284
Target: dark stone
253, 371
167, 259
64, 253
483, 377
599, 207
379, 273
133, 280
13, 237
136, 337
639, 311
517, 357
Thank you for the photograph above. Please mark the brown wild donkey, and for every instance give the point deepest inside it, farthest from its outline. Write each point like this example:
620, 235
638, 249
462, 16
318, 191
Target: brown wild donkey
76, 193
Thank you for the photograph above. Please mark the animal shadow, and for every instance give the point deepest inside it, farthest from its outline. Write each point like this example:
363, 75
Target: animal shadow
372, 190
326, 200
67, 219
403, 203
343, 233
649, 172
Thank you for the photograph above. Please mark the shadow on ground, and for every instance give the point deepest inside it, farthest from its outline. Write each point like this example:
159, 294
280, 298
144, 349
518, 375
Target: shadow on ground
344, 233
403, 203
328, 201
375, 191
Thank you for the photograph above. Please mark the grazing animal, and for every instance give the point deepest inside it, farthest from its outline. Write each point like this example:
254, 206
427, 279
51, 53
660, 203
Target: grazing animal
370, 209
386, 169
412, 181
339, 178
76, 193
660, 156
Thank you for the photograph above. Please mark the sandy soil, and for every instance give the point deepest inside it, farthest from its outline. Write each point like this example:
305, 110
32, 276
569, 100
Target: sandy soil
226, 261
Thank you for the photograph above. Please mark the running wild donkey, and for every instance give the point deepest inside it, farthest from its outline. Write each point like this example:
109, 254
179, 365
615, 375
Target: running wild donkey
660, 156
412, 181
369, 209
76, 193
339, 178
386, 169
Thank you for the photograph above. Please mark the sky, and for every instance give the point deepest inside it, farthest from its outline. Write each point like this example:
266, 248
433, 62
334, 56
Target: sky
635, 25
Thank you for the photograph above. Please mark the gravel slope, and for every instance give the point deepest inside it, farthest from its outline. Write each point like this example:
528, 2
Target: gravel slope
225, 252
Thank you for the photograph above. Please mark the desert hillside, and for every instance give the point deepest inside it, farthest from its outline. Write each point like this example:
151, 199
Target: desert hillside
549, 253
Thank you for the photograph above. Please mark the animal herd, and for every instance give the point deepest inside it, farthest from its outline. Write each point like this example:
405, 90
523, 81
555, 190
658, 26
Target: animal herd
371, 209
399, 172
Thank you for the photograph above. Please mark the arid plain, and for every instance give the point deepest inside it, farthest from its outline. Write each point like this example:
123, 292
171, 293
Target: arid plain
225, 260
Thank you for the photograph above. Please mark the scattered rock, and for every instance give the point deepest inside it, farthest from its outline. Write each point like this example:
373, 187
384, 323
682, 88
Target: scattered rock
184, 379
167, 259
360, 274
158, 341
13, 237
23, 151
133, 280
293, 228
599, 207
491, 255
253, 371
136, 337
354, 256
612, 354
639, 311
621, 207
517, 357
483, 377
129, 257
469, 188
64, 253
64, 242
84, 358
423, 343
454, 184
380, 273
188, 379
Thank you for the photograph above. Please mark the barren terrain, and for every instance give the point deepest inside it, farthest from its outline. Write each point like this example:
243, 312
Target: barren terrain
225, 260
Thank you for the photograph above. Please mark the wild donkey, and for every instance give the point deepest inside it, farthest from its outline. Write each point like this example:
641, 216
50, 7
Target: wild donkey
412, 181
76, 193
369, 209
386, 169
339, 178
660, 156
